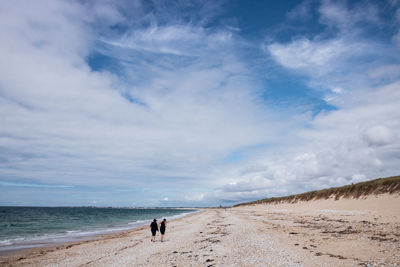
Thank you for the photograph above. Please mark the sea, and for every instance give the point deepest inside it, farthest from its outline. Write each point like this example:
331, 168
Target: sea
27, 227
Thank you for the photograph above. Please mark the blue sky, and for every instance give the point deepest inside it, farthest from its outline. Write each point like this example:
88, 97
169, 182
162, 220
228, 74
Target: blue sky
195, 103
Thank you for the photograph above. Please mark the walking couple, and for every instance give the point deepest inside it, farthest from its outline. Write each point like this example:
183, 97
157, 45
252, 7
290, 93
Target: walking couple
154, 229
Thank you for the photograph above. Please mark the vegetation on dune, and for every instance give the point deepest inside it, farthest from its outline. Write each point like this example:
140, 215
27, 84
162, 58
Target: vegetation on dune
378, 186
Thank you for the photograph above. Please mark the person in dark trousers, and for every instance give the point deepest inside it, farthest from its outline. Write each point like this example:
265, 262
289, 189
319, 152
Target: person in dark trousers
154, 229
163, 225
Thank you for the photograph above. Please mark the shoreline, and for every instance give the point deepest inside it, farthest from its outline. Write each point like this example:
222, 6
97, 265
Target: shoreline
58, 239
345, 232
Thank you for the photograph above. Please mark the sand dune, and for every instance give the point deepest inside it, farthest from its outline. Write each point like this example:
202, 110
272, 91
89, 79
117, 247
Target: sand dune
346, 232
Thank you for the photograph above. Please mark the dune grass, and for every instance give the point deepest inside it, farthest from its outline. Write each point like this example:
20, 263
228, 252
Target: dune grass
378, 186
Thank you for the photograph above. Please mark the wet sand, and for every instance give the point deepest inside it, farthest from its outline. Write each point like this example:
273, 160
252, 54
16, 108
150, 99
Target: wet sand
362, 232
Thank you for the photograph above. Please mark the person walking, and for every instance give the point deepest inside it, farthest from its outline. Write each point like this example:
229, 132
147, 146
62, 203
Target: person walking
154, 229
163, 225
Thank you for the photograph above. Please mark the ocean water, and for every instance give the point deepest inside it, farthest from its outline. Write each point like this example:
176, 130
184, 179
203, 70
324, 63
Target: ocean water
24, 227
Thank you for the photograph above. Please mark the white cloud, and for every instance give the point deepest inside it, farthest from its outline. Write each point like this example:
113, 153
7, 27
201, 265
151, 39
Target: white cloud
180, 40
254, 183
195, 197
337, 90
183, 100
359, 140
385, 73
342, 62
378, 135
64, 123
396, 39
305, 54
356, 178
346, 58
339, 15
301, 12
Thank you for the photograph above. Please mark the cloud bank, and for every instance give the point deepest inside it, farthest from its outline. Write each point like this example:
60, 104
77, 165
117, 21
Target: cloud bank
359, 139
142, 104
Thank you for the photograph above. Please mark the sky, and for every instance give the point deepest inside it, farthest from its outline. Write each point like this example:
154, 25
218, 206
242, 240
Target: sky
195, 103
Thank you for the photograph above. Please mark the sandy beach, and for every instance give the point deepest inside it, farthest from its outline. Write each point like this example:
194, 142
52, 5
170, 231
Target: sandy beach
345, 232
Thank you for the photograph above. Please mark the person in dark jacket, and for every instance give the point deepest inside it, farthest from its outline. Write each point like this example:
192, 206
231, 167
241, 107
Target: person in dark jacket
163, 225
154, 229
